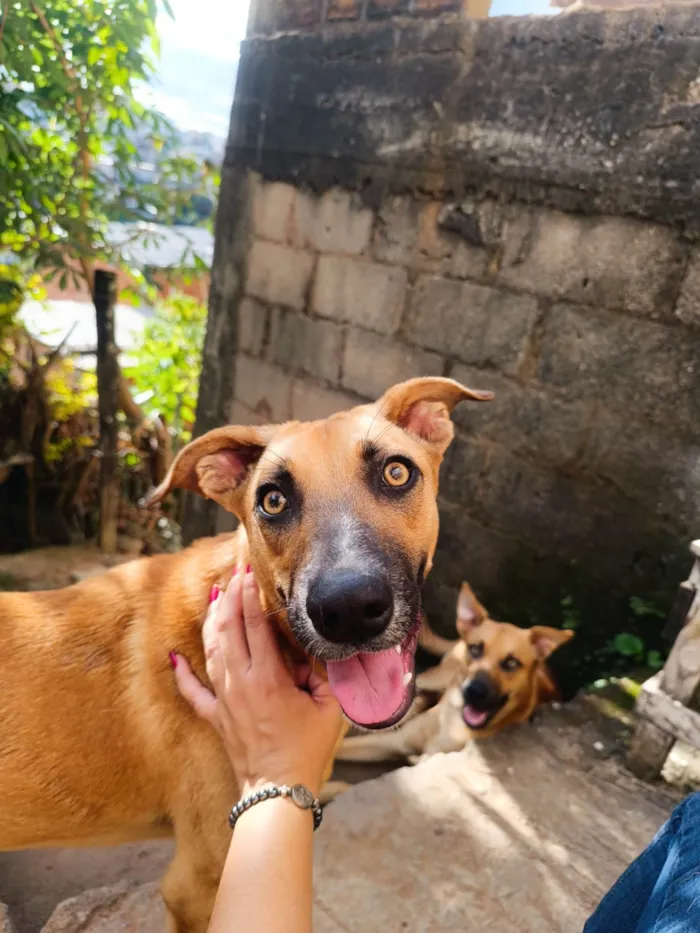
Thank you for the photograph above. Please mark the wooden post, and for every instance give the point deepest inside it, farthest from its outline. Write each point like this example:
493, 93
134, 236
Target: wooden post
108, 394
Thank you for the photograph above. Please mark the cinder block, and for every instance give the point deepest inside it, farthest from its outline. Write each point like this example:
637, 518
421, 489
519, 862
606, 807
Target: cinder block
373, 363
252, 323
688, 309
303, 344
279, 275
312, 402
337, 222
626, 364
368, 294
273, 211
474, 323
264, 389
609, 262
344, 9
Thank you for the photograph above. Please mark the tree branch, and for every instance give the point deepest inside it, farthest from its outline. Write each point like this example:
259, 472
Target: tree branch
4, 13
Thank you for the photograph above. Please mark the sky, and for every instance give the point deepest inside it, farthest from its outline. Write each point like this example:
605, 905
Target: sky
199, 57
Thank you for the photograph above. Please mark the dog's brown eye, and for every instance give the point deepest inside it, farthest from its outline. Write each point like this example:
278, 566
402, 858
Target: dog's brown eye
274, 502
510, 664
396, 473
476, 652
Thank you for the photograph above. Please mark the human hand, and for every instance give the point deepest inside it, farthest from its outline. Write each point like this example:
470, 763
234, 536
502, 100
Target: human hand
278, 726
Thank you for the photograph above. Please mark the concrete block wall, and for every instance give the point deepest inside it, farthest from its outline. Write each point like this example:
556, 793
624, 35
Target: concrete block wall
400, 198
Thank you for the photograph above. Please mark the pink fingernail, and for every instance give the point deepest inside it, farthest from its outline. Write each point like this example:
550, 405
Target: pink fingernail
248, 568
173, 659
214, 595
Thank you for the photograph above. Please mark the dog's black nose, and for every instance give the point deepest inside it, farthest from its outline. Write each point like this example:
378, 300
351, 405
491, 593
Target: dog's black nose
480, 693
349, 607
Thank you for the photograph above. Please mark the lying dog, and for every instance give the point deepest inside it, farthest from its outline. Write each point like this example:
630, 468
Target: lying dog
493, 677
339, 521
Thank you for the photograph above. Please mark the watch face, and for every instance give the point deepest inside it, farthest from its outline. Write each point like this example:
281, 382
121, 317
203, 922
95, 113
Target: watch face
302, 797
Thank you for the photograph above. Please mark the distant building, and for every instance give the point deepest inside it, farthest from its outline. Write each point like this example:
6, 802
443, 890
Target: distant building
172, 258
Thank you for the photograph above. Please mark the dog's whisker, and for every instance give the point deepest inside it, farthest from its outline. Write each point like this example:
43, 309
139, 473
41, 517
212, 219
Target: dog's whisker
376, 415
381, 434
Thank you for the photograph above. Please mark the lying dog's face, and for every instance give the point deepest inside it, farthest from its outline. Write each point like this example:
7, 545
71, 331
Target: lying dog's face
501, 665
342, 524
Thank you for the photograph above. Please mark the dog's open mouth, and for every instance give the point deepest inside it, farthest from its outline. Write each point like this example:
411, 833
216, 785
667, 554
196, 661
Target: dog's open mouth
376, 688
478, 719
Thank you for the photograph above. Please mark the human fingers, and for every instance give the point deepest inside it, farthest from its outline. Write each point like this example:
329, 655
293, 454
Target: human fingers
202, 701
264, 649
225, 642
320, 689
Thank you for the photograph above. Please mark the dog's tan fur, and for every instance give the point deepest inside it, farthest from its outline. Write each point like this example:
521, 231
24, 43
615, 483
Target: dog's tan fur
96, 746
441, 727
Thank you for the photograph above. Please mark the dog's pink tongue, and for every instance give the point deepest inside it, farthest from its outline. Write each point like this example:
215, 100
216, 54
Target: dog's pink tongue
368, 686
474, 718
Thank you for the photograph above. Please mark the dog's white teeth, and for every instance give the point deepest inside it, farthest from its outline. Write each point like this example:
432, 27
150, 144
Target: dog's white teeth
407, 678
399, 649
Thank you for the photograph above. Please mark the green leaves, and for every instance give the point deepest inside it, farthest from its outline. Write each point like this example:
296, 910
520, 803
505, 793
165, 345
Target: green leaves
167, 363
628, 645
68, 120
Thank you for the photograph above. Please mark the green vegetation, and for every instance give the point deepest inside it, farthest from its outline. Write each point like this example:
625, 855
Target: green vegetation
167, 364
70, 74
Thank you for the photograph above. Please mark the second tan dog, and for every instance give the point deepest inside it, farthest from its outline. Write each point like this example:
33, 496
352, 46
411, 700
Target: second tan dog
494, 676
339, 521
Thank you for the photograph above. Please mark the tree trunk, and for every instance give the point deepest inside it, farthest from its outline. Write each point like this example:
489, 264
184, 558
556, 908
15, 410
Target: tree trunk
108, 394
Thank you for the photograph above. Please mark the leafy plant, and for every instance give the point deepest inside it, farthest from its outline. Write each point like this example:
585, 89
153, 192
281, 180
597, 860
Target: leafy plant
643, 609
570, 613
167, 363
628, 645
69, 116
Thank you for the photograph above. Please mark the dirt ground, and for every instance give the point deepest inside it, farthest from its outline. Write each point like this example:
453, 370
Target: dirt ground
585, 737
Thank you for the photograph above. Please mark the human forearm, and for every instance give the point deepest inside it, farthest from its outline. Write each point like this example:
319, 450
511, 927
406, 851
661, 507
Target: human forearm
266, 885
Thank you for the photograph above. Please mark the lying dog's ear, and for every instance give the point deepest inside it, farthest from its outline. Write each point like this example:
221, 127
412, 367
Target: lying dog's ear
423, 406
216, 465
470, 612
546, 640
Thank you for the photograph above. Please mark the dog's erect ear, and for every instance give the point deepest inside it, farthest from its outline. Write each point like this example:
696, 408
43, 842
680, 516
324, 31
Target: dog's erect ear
546, 640
423, 406
470, 612
216, 465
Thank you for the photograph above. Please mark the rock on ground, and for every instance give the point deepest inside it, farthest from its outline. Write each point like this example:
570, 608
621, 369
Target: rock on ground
520, 834
110, 910
6, 924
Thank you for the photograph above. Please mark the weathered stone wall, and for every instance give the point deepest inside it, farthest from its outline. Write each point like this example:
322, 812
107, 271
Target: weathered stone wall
511, 203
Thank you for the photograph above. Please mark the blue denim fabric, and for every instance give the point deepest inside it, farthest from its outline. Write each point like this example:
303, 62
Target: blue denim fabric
660, 891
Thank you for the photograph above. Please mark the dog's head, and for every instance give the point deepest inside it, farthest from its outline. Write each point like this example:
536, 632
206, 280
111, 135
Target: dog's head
342, 524
502, 666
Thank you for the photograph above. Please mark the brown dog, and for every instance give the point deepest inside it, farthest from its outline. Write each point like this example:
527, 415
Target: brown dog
493, 677
339, 520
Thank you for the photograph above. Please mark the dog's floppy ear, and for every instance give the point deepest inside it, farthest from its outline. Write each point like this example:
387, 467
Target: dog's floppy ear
470, 612
546, 640
423, 406
216, 465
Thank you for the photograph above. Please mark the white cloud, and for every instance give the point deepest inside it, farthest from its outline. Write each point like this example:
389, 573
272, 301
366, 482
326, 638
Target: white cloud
211, 27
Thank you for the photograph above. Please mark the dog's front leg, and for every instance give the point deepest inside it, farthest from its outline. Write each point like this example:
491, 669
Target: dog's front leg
189, 890
199, 812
